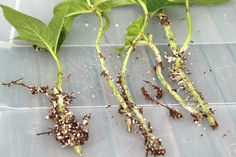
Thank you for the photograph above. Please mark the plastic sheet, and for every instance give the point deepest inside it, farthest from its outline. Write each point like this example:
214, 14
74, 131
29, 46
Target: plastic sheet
211, 58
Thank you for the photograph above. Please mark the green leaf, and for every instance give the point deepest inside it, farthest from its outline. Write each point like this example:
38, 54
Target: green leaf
120, 49
99, 2
75, 8
78, 7
118, 3
154, 6
102, 5
74, 5
133, 31
56, 25
69, 20
30, 29
200, 1
105, 7
62, 38
35, 31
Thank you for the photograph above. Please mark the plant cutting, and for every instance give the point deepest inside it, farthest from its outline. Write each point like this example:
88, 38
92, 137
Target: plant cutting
67, 131
178, 54
131, 42
133, 114
151, 7
153, 145
136, 35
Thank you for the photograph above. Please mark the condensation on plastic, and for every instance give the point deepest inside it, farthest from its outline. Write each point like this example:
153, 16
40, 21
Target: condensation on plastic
211, 58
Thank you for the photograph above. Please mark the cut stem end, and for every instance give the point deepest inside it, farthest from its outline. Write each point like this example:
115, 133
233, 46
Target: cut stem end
78, 150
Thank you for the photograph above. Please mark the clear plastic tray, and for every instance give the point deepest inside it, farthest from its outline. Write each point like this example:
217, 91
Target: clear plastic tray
212, 60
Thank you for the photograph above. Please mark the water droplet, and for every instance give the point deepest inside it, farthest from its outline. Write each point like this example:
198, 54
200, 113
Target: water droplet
117, 25
93, 96
86, 24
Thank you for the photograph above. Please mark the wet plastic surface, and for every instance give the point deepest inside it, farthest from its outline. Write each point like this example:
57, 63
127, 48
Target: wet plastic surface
212, 60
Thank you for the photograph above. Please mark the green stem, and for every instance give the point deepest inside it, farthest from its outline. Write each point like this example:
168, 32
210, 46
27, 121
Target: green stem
60, 74
58, 89
169, 33
165, 83
79, 13
135, 110
123, 75
78, 150
89, 3
190, 29
129, 51
59, 83
199, 99
105, 69
179, 63
107, 25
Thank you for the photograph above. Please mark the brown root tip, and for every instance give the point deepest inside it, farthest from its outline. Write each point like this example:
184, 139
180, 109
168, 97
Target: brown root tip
214, 126
9, 84
175, 114
104, 74
44, 133
159, 91
159, 64
129, 124
162, 152
197, 117
164, 20
145, 93
155, 148
86, 119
